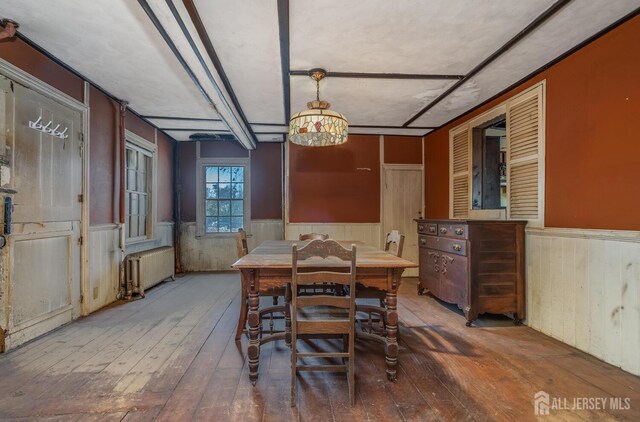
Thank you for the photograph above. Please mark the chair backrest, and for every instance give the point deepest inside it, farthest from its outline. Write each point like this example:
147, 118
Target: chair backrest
313, 236
241, 243
394, 237
337, 271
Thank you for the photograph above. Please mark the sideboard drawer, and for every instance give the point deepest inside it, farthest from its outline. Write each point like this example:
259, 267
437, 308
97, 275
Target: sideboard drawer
453, 230
453, 246
428, 228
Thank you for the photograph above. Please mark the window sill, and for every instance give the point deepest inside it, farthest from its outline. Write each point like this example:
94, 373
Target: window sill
139, 241
219, 235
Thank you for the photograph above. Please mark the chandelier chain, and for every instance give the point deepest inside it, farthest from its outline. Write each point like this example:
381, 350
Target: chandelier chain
318, 90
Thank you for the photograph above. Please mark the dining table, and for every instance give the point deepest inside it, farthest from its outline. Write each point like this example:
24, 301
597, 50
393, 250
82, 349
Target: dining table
269, 266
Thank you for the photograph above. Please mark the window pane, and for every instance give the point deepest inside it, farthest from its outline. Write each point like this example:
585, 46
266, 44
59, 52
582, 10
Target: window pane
211, 174
224, 208
131, 179
133, 228
131, 158
237, 190
142, 182
211, 224
142, 226
236, 223
212, 208
225, 190
225, 174
236, 208
212, 191
224, 224
142, 162
142, 205
134, 204
237, 174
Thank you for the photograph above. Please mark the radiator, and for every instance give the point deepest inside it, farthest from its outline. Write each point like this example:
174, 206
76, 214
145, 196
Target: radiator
148, 268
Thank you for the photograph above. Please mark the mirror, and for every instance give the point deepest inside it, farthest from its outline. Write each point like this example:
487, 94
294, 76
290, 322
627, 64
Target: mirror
489, 171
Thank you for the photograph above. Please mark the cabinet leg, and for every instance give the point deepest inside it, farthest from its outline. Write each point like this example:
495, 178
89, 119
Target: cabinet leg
516, 319
420, 289
470, 316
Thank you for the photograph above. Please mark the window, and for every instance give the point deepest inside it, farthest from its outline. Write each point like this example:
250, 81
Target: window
497, 162
223, 196
138, 187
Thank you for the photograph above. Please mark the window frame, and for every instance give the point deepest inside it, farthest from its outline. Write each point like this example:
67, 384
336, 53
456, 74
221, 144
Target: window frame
201, 164
138, 143
467, 126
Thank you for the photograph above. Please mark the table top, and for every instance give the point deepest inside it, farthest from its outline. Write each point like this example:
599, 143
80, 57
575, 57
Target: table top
277, 254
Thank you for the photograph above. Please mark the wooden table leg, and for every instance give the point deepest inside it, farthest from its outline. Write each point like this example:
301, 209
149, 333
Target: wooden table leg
253, 351
391, 344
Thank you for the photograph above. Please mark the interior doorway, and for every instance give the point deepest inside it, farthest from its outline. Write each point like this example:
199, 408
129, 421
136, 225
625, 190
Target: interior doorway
401, 204
42, 184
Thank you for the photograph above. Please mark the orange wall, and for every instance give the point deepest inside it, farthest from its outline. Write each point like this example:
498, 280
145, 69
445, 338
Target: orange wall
338, 184
165, 177
592, 147
402, 149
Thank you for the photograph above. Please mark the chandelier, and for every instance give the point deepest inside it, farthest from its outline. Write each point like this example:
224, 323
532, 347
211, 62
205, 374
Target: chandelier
318, 126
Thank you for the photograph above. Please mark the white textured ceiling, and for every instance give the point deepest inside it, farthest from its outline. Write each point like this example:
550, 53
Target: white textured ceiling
115, 44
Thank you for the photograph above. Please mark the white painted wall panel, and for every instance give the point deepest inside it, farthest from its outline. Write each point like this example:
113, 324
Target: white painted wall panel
368, 233
218, 253
583, 288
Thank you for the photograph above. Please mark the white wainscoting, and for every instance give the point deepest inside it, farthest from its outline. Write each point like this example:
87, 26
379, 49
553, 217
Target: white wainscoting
104, 266
104, 259
366, 232
583, 288
218, 253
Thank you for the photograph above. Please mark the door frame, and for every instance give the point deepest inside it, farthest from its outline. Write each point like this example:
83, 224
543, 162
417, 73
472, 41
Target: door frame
18, 75
401, 167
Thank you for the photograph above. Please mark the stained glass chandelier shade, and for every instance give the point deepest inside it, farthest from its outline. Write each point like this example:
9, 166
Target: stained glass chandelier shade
318, 126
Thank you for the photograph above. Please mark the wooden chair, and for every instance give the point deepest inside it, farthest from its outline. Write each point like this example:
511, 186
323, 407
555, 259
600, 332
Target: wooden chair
313, 236
322, 315
242, 249
393, 243
323, 288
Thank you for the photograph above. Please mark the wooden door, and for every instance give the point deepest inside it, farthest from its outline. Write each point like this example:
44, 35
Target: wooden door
402, 203
43, 249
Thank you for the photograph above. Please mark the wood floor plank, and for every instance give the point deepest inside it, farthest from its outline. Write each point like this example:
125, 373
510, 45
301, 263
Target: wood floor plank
172, 356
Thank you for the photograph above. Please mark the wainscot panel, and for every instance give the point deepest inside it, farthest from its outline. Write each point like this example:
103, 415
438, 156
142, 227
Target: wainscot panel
368, 233
104, 266
583, 288
218, 253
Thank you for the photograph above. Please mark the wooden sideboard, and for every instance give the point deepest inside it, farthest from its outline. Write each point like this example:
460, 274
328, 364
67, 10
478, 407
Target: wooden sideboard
476, 264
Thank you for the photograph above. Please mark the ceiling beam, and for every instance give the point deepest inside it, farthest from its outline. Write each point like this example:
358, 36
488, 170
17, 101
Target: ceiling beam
552, 10
213, 56
194, 119
361, 75
283, 30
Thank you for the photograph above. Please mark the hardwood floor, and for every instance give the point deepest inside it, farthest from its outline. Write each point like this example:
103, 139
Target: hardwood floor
172, 356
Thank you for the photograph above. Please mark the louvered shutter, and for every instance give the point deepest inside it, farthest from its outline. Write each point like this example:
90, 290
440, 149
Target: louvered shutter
525, 156
459, 153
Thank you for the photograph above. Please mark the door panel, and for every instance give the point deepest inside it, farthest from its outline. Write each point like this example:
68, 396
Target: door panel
402, 203
47, 169
42, 255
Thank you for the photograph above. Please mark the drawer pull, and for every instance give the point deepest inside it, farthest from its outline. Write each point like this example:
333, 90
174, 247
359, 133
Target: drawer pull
459, 231
432, 229
457, 247
443, 230
423, 241
420, 227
